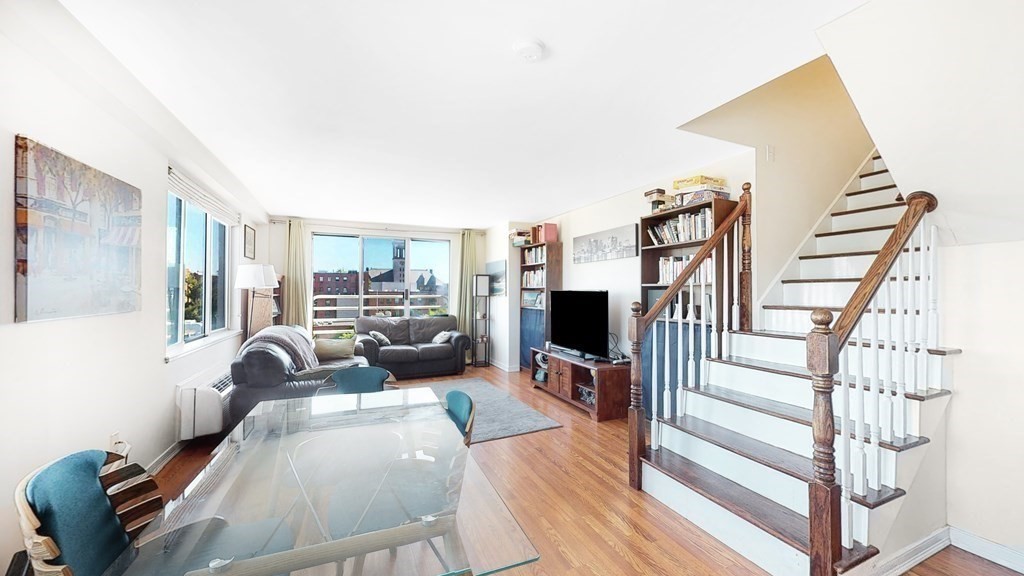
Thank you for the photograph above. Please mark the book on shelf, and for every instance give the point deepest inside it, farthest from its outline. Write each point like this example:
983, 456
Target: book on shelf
533, 278
670, 267
685, 228
536, 255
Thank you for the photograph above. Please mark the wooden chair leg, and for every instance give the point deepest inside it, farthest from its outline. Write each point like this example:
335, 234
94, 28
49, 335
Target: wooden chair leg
357, 566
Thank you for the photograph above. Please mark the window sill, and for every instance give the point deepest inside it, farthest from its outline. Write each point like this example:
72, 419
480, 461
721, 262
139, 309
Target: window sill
194, 346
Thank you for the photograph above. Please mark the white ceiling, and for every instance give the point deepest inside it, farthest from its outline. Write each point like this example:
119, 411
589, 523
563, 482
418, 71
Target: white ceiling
415, 112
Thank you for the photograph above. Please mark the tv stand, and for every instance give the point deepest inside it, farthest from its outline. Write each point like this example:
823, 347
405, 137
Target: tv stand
601, 389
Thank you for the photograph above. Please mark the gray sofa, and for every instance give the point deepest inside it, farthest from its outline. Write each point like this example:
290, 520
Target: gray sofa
411, 353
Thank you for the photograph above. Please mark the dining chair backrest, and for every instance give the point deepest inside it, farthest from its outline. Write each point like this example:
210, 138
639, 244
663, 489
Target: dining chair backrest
70, 522
360, 379
462, 411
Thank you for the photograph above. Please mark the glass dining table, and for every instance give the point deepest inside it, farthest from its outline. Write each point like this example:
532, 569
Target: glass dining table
371, 484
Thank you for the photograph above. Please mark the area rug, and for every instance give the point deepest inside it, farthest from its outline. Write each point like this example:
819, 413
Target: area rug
498, 415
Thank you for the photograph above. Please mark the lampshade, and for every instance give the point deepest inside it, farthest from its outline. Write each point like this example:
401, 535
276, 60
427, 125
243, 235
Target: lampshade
270, 276
252, 277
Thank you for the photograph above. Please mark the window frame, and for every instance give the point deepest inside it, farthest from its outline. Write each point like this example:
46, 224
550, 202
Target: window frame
180, 344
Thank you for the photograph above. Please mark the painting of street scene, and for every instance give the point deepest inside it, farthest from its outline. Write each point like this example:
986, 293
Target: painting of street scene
78, 242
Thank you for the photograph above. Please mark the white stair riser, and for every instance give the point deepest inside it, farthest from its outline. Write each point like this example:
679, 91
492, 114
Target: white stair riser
837, 294
770, 553
773, 430
776, 486
877, 180
842, 267
853, 242
878, 164
882, 217
869, 199
800, 321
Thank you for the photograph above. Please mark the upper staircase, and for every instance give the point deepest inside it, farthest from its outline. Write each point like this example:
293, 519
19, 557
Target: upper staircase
798, 443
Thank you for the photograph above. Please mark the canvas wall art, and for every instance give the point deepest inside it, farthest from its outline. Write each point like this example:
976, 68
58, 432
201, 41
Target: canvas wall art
609, 244
78, 237
496, 270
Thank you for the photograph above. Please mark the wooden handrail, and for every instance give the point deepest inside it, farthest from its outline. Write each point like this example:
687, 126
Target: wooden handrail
918, 204
639, 323
824, 344
741, 210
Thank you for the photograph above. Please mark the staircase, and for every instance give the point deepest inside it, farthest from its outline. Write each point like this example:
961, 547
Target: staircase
798, 444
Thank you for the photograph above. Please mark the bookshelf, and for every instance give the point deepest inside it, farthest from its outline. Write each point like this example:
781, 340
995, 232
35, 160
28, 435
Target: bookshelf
540, 266
676, 234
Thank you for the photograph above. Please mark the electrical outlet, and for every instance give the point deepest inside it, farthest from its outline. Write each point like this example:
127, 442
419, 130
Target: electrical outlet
114, 439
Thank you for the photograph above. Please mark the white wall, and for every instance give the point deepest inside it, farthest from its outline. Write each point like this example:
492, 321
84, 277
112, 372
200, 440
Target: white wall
939, 87
621, 278
68, 384
979, 301
809, 140
504, 325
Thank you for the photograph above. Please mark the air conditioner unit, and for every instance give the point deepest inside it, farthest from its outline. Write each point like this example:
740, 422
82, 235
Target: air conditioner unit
203, 408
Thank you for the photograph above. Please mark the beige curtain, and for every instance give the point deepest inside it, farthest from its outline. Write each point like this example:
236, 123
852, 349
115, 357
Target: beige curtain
468, 269
298, 276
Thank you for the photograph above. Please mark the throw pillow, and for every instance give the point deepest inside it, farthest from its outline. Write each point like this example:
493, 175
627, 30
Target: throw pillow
380, 338
442, 337
334, 348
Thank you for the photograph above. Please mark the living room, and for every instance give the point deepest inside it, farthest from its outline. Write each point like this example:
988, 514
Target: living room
334, 123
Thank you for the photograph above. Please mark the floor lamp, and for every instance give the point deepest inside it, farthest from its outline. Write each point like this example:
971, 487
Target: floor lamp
253, 277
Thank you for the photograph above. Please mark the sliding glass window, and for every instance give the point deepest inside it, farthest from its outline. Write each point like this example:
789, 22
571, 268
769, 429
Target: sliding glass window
197, 252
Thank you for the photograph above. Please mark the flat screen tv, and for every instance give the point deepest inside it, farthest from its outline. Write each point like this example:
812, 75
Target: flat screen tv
579, 321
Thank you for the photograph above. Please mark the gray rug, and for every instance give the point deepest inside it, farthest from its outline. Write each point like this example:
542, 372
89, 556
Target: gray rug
498, 415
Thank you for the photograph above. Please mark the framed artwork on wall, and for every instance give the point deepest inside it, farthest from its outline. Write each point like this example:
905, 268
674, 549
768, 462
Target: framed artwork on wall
496, 270
609, 244
250, 243
77, 237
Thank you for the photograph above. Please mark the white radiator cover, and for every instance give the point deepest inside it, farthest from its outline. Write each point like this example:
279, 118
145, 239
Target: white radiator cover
203, 406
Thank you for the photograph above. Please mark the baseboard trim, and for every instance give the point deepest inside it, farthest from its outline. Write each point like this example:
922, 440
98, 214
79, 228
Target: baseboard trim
505, 367
165, 457
987, 549
902, 561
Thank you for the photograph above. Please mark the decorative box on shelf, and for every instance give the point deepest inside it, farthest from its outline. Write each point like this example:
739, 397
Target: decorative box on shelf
703, 195
699, 180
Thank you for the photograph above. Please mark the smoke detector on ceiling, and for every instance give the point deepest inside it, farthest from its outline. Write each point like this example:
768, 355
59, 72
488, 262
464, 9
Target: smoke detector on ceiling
529, 49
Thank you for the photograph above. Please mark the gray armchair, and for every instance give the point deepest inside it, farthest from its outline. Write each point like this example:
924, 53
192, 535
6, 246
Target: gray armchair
412, 354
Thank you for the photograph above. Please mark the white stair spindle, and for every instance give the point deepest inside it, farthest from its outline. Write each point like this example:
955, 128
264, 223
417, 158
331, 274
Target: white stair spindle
667, 401
703, 322
922, 314
736, 275
860, 475
680, 399
911, 316
713, 275
875, 469
886, 410
900, 373
726, 313
691, 364
933, 290
655, 426
845, 476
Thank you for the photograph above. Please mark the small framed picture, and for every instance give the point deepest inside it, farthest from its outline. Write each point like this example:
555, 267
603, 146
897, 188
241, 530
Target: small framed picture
250, 243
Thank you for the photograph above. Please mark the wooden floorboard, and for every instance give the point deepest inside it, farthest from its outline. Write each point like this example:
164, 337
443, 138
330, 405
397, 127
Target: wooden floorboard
568, 489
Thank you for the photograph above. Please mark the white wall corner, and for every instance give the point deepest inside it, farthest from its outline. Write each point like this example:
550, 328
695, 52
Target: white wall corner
1011, 558
910, 556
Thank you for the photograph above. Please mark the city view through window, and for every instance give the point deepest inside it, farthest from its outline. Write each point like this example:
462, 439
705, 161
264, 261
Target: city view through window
373, 276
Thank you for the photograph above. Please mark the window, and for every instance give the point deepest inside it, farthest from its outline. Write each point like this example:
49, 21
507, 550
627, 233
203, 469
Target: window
197, 251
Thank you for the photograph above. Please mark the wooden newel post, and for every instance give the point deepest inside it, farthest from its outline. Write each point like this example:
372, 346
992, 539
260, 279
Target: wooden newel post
746, 297
825, 494
637, 418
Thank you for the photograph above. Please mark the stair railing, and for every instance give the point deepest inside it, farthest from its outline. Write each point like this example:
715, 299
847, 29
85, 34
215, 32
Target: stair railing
724, 304
897, 301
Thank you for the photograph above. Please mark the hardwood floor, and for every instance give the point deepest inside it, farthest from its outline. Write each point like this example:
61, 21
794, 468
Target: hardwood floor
568, 489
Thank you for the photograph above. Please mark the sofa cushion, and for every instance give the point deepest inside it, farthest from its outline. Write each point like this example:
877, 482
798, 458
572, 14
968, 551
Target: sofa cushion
396, 329
431, 351
398, 353
424, 329
334, 348
380, 338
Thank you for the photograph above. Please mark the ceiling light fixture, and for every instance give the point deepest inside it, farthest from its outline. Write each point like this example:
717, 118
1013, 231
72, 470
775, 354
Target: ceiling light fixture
529, 49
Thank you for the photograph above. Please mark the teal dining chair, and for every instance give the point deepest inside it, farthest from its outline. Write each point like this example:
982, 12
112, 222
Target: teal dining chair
462, 411
73, 524
359, 379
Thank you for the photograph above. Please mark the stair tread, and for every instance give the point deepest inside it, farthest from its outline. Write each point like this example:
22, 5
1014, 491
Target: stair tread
775, 519
795, 465
870, 208
875, 173
917, 278
937, 351
802, 372
870, 190
855, 231
789, 412
847, 254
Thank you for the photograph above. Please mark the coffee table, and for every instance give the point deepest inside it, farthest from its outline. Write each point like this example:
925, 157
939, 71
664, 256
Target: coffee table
373, 484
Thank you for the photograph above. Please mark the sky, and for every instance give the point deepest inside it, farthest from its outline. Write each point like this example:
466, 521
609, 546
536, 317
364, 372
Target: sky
342, 252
